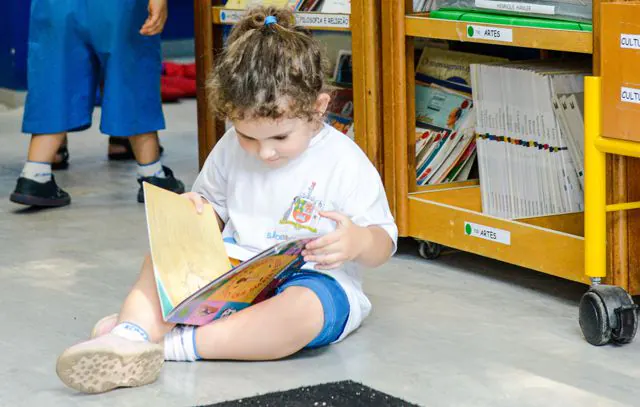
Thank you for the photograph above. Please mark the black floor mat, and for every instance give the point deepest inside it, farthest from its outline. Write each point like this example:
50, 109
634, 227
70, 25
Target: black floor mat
337, 394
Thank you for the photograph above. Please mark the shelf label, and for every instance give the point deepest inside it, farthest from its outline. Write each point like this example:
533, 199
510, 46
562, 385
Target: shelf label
321, 20
516, 7
487, 233
630, 95
629, 41
231, 16
480, 32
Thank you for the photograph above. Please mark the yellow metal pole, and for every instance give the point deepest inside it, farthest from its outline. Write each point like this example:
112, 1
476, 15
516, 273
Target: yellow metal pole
623, 206
619, 147
595, 218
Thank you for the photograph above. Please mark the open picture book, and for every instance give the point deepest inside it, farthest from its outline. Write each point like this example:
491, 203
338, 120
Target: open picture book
195, 278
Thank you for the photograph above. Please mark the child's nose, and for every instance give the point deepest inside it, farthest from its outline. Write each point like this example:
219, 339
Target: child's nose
266, 153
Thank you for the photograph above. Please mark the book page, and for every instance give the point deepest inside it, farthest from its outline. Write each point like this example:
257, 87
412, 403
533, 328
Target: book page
186, 247
250, 282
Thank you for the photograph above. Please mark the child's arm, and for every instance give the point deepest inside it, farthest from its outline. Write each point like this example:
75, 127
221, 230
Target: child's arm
370, 246
199, 202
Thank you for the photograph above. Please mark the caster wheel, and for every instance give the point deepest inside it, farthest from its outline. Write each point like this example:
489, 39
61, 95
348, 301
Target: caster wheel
608, 314
429, 250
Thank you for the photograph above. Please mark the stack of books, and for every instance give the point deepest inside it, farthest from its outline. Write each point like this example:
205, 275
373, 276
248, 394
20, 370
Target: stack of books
530, 138
445, 116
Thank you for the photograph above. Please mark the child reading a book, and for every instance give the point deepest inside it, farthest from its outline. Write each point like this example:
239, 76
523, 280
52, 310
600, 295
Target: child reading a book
277, 174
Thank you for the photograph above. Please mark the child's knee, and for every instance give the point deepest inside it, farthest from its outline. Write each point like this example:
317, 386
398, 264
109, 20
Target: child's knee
304, 299
305, 305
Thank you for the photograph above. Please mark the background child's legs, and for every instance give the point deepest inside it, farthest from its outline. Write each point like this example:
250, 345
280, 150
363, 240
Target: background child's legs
146, 147
43, 147
132, 64
62, 78
62, 70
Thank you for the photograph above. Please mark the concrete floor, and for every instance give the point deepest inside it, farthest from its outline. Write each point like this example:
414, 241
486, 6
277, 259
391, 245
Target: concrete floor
460, 331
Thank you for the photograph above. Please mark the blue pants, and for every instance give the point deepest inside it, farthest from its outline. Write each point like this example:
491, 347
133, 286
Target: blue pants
74, 45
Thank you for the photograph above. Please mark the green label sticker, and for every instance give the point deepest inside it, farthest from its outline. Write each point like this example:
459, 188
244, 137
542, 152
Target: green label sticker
481, 32
487, 233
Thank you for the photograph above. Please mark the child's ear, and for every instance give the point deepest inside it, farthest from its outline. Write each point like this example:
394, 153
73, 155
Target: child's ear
322, 102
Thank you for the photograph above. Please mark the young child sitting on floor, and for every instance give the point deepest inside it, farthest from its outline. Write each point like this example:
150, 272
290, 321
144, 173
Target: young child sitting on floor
280, 172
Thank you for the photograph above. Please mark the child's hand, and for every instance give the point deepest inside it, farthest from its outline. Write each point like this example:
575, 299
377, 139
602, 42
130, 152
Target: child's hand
346, 243
198, 201
157, 17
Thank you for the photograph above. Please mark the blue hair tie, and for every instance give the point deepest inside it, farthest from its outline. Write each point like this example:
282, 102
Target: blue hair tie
270, 20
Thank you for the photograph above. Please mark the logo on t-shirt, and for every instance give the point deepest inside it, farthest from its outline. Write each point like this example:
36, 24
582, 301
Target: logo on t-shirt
304, 212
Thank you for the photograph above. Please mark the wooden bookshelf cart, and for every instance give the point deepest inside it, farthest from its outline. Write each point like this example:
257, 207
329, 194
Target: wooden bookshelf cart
442, 215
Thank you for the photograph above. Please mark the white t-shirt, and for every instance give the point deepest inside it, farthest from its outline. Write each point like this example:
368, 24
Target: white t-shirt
262, 206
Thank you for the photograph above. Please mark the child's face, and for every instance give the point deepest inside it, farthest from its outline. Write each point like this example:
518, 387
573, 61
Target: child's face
276, 142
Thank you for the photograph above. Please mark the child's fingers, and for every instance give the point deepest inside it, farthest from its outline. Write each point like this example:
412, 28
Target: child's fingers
334, 247
151, 28
196, 200
155, 29
323, 241
337, 217
145, 29
324, 259
154, 23
157, 17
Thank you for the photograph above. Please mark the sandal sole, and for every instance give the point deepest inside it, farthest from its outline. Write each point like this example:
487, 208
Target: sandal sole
100, 370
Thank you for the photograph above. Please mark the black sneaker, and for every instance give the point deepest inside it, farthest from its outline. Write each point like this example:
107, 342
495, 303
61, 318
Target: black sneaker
32, 193
169, 183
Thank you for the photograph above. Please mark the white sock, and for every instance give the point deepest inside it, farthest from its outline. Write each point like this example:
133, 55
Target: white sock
37, 171
180, 344
151, 170
130, 331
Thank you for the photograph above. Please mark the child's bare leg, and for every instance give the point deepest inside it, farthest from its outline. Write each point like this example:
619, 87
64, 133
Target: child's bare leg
146, 147
272, 329
142, 306
281, 331
43, 147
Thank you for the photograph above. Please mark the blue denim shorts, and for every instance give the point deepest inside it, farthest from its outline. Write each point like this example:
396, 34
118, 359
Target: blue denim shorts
334, 303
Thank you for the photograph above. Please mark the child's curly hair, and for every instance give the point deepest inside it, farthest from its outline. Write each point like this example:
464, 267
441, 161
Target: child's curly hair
268, 70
